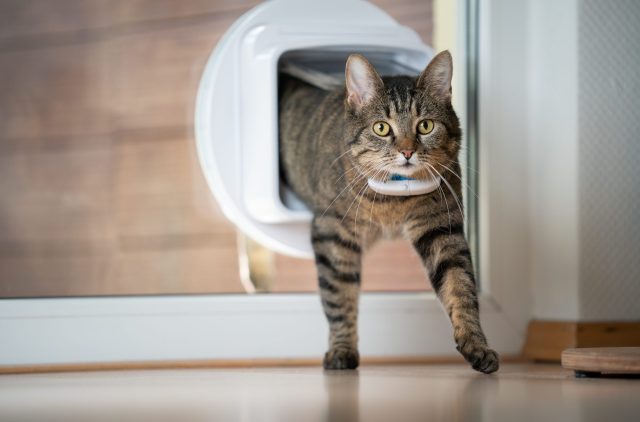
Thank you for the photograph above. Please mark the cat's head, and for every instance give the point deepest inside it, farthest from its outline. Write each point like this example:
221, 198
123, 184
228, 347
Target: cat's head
401, 125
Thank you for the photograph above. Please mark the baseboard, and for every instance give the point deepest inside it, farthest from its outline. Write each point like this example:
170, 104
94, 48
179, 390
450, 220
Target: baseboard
547, 339
230, 363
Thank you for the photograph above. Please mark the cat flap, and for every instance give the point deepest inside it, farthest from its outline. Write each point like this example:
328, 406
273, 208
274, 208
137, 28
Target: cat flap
325, 69
236, 115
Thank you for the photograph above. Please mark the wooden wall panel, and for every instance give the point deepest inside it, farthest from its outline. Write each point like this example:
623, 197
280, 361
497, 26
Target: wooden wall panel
416, 14
152, 10
55, 196
394, 266
53, 93
176, 269
28, 22
156, 74
67, 274
20, 19
159, 190
546, 340
100, 188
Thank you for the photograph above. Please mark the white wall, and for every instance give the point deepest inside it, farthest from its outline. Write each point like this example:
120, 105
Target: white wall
504, 235
609, 159
582, 125
552, 131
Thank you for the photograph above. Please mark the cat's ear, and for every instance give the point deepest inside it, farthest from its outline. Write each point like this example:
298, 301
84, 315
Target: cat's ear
362, 80
436, 78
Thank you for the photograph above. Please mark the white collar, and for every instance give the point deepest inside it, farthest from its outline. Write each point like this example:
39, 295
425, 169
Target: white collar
398, 185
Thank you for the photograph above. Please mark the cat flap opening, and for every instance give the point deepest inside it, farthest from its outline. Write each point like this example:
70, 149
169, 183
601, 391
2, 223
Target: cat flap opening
325, 69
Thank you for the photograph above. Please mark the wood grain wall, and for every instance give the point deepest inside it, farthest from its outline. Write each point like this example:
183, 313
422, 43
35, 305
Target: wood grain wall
100, 189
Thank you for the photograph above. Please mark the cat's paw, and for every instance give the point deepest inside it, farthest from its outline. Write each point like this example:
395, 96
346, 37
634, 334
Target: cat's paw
341, 359
480, 357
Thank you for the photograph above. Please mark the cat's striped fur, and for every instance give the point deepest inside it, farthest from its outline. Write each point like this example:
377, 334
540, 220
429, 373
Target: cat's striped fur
328, 150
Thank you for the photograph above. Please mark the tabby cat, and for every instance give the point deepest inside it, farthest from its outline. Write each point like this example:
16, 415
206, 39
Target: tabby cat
331, 142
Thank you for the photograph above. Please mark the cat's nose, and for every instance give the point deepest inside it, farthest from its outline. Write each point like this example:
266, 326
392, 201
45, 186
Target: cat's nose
407, 153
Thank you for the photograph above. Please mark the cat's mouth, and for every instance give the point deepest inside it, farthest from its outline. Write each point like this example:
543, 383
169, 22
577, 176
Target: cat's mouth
406, 169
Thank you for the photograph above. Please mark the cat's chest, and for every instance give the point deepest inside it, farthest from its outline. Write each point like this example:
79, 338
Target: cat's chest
392, 215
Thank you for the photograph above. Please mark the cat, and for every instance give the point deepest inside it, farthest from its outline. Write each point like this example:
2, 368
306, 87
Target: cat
373, 127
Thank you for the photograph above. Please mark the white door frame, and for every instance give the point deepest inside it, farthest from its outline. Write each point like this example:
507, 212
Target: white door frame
153, 328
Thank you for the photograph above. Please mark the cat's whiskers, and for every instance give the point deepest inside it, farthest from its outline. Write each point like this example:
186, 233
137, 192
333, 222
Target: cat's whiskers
345, 172
387, 166
465, 149
442, 193
340, 156
367, 174
373, 203
380, 169
359, 177
452, 161
450, 189
460, 178
354, 181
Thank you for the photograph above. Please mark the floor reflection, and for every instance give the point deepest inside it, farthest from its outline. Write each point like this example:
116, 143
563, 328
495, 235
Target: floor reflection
342, 389
518, 393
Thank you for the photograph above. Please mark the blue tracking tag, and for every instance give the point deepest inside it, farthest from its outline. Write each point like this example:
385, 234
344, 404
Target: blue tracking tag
399, 177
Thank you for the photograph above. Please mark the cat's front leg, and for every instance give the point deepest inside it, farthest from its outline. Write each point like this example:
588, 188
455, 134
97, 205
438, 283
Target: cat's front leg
337, 255
445, 253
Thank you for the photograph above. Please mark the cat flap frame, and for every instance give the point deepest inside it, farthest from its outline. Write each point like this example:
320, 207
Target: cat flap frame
236, 123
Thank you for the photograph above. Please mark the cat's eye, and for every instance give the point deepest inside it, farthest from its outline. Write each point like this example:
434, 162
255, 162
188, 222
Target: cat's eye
425, 127
381, 128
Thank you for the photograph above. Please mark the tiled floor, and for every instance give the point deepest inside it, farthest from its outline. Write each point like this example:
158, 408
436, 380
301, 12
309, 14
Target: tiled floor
375, 393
